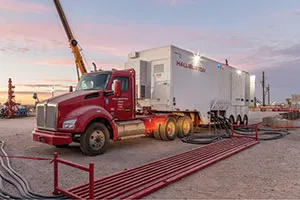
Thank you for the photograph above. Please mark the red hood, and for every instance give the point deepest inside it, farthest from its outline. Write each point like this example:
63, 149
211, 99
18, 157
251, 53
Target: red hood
74, 96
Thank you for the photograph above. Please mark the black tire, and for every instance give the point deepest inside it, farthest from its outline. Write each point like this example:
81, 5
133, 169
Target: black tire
157, 132
168, 130
239, 120
95, 139
181, 131
231, 119
62, 146
245, 120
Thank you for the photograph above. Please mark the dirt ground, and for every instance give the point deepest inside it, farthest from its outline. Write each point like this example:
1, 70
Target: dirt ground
269, 170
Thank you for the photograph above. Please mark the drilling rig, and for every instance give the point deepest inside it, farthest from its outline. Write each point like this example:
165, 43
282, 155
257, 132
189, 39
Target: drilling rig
11, 108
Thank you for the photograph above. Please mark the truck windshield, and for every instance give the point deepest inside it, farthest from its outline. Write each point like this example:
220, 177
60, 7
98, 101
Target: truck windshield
93, 82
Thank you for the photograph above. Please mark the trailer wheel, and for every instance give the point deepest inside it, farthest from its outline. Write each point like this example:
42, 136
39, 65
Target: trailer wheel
168, 130
239, 120
231, 119
245, 120
95, 139
184, 126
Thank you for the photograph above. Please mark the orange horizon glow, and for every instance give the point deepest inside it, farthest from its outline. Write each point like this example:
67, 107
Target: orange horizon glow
26, 98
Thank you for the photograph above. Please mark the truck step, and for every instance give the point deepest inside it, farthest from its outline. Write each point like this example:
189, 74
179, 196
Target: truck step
131, 122
132, 137
140, 181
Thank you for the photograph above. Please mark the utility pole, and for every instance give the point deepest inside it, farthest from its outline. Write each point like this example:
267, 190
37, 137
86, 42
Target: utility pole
263, 87
269, 102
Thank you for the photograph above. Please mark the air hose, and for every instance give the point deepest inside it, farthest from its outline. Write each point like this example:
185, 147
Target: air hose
224, 123
18, 182
246, 131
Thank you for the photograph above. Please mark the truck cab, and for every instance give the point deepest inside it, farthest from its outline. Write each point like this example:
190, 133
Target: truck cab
100, 99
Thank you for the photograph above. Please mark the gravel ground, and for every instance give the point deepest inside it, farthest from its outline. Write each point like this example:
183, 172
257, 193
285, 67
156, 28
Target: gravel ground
268, 170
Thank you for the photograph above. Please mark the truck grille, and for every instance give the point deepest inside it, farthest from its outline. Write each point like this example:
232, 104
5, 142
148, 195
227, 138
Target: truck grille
46, 118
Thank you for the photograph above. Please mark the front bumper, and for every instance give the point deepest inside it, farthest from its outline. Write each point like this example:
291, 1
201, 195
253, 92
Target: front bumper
51, 138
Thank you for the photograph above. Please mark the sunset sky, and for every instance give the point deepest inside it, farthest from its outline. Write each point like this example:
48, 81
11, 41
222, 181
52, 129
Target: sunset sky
254, 35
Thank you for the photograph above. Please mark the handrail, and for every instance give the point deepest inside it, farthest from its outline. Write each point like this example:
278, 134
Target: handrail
254, 126
89, 169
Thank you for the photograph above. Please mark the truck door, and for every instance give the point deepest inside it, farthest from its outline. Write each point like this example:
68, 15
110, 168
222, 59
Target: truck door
121, 107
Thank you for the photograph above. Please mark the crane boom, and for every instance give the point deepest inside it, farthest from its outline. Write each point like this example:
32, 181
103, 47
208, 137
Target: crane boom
73, 43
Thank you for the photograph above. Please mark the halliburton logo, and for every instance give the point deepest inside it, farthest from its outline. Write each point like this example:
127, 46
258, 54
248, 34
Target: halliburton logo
190, 66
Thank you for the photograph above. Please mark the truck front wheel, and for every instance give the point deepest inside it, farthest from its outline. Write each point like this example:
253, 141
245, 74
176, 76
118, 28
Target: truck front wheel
95, 139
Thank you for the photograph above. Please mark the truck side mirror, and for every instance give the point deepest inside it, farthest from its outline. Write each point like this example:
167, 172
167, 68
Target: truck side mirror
117, 88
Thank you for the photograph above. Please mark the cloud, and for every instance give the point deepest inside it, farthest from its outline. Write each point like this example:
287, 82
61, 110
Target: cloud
117, 40
60, 80
71, 63
282, 77
21, 6
14, 49
293, 50
56, 62
269, 56
25, 97
42, 85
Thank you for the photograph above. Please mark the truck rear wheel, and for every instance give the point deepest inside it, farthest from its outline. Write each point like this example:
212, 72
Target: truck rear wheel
231, 119
168, 130
239, 120
184, 126
157, 132
95, 139
245, 120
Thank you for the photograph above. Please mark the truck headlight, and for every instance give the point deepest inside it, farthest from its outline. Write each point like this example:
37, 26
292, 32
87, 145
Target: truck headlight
69, 124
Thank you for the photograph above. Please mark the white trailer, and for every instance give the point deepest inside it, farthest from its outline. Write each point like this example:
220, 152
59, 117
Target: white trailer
171, 79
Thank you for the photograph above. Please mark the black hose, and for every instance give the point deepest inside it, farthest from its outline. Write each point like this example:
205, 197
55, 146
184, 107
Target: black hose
197, 139
18, 182
224, 123
14, 181
207, 139
21, 179
275, 134
10, 181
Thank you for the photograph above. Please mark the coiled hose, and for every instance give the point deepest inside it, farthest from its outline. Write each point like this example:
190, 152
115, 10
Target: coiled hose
18, 182
224, 123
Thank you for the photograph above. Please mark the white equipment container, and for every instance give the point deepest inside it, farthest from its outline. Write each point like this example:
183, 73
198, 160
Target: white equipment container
171, 79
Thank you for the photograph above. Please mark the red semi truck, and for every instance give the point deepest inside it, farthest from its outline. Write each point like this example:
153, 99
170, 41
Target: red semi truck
101, 109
